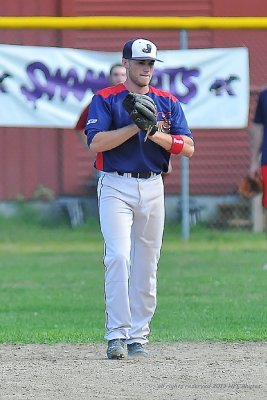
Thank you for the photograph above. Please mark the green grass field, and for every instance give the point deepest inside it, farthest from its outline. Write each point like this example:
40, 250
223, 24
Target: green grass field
212, 287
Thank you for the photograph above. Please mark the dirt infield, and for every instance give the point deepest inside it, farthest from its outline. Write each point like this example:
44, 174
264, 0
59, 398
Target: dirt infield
195, 371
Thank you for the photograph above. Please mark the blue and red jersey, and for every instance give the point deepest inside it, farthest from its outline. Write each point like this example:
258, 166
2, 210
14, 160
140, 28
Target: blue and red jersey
261, 118
106, 113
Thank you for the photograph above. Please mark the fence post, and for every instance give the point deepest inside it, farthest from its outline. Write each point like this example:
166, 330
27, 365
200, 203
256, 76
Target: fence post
184, 169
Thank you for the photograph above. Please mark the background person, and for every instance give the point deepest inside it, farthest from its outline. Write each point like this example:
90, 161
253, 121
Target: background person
117, 74
130, 192
258, 161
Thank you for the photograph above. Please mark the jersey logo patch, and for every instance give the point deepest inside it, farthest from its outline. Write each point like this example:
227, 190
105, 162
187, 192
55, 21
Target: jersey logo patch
91, 121
165, 124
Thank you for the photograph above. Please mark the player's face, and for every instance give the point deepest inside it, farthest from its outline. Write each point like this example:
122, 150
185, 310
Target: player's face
140, 71
118, 75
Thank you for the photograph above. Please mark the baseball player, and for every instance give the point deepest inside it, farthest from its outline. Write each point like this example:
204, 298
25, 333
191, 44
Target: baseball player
258, 163
117, 74
133, 128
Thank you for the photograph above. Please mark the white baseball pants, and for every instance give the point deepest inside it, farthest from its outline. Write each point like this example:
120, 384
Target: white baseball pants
132, 221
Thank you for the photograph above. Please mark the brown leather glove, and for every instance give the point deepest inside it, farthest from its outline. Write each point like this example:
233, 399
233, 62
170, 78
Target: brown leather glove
249, 187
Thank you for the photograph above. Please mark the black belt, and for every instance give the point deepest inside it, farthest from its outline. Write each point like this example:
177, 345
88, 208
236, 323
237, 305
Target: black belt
141, 175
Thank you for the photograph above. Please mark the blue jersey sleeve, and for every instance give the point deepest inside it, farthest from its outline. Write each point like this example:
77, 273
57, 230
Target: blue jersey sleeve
179, 124
99, 117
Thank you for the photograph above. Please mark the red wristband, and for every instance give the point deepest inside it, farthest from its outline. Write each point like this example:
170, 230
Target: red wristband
177, 144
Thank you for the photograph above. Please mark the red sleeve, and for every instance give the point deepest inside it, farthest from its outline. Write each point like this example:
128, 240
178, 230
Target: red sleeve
80, 124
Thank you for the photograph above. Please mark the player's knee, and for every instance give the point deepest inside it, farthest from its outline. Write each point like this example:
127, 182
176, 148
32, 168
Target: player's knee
118, 262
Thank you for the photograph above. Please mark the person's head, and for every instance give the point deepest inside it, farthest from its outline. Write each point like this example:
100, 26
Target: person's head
117, 74
138, 57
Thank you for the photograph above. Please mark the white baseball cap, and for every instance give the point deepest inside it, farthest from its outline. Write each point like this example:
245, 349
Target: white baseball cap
140, 49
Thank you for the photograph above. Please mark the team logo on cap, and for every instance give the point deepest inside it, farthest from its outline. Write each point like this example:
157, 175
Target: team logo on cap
147, 49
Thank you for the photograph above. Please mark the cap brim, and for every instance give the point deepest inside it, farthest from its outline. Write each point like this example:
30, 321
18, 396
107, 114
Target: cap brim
145, 58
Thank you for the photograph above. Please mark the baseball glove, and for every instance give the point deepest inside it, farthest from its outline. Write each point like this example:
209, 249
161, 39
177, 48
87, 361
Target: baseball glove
143, 112
249, 187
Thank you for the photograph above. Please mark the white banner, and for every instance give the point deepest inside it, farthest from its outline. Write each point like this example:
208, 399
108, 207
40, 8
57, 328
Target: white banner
49, 87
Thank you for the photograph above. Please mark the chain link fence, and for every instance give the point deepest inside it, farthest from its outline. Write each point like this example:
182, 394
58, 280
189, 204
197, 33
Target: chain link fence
214, 175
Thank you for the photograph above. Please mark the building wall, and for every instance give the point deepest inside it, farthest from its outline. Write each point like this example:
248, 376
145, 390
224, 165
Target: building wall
59, 159
221, 156
29, 157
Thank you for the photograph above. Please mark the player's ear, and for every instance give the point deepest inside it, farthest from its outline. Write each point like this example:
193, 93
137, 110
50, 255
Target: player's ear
125, 63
